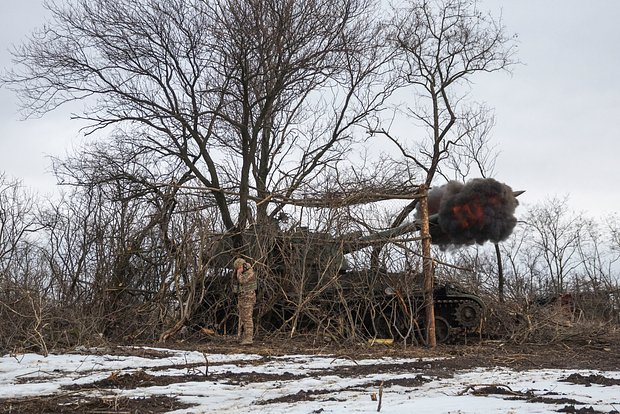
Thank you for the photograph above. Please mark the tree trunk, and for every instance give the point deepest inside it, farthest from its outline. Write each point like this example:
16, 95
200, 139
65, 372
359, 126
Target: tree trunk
427, 266
500, 273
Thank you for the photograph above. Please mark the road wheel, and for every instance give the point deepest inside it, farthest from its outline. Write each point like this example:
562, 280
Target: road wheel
442, 330
468, 314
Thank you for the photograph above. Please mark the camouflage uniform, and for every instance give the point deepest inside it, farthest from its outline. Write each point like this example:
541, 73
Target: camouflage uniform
246, 299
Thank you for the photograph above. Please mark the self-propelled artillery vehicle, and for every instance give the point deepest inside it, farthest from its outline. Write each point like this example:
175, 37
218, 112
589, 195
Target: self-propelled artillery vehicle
307, 282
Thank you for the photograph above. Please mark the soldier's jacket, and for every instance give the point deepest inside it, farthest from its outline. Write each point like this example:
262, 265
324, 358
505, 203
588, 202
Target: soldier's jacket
247, 280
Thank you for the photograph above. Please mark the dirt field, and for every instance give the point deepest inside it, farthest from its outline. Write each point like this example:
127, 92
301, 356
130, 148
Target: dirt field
600, 354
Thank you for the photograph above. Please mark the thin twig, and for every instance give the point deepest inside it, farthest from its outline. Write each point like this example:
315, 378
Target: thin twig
204, 354
345, 357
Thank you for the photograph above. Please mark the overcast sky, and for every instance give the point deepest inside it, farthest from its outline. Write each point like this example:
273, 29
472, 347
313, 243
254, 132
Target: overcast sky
557, 115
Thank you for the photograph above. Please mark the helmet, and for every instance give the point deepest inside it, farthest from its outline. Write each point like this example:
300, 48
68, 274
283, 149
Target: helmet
238, 263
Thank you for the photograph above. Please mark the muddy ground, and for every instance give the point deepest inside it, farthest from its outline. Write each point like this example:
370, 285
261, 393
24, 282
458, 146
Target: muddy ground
595, 354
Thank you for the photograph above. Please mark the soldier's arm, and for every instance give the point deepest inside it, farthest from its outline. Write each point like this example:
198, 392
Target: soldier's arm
245, 275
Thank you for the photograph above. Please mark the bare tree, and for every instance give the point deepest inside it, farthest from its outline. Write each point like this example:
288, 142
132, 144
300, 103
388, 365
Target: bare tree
613, 224
557, 234
597, 256
442, 45
250, 98
17, 221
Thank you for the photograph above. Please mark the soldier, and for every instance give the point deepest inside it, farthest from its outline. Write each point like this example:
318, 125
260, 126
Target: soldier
246, 299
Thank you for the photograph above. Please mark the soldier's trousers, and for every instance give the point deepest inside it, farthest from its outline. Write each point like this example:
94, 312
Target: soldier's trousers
245, 307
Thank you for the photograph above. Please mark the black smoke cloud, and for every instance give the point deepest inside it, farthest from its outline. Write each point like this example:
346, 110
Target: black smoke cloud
476, 212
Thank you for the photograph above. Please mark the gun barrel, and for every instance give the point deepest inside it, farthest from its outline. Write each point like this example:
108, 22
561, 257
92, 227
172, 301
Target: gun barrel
380, 237
356, 243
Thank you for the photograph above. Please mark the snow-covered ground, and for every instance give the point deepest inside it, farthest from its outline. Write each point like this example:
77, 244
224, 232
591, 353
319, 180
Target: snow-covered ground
311, 384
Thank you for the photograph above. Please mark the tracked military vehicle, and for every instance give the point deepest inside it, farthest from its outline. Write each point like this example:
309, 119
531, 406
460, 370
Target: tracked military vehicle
306, 282
308, 285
